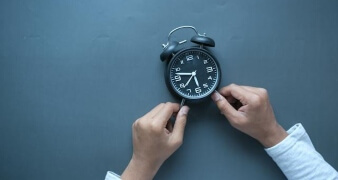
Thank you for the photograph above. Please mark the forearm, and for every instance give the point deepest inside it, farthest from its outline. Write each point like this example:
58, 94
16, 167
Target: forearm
298, 159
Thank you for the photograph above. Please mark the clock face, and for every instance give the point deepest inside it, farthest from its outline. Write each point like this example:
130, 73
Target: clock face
193, 73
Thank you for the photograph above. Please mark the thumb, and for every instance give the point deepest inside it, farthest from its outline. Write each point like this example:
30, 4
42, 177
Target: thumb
181, 121
224, 106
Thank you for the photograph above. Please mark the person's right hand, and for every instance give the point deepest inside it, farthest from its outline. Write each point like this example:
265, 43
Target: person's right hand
155, 138
248, 109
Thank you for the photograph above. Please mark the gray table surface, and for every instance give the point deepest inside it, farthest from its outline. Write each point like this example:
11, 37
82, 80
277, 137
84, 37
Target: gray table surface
75, 75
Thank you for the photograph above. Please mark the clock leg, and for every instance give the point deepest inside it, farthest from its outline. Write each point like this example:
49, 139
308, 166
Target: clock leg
182, 103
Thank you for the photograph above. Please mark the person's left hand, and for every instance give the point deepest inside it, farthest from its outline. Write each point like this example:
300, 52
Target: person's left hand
155, 139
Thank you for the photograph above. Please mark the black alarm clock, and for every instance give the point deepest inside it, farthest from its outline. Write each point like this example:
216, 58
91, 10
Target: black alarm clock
192, 73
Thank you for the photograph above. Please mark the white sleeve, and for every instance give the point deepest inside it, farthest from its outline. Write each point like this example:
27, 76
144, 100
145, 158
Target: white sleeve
298, 159
112, 176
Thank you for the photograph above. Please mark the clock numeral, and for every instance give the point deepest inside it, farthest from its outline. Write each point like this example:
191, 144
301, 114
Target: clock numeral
205, 85
182, 62
198, 90
209, 78
182, 85
209, 69
205, 61
197, 57
189, 90
178, 78
189, 57
178, 69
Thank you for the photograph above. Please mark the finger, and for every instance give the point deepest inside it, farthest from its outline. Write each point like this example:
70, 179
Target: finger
231, 99
249, 88
225, 92
169, 126
224, 106
227, 95
154, 111
243, 95
181, 121
256, 90
166, 112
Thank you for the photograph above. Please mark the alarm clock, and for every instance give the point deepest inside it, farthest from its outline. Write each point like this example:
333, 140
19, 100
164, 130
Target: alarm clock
192, 73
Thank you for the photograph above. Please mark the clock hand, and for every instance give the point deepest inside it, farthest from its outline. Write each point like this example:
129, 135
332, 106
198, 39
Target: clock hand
182, 74
196, 81
192, 75
188, 81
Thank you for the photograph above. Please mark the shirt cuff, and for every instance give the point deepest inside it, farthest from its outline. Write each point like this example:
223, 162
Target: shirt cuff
112, 176
296, 132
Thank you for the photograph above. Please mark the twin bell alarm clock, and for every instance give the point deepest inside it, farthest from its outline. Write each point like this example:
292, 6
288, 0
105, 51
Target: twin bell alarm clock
192, 73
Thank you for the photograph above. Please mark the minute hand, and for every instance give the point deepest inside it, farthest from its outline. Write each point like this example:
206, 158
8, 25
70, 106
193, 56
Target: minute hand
182, 74
188, 81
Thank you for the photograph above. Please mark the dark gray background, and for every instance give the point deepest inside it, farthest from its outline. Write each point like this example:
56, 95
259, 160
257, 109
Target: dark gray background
75, 75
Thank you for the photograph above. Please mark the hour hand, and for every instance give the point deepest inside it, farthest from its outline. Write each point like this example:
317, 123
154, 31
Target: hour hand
183, 74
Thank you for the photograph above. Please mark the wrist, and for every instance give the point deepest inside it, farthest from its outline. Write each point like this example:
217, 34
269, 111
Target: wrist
275, 135
140, 169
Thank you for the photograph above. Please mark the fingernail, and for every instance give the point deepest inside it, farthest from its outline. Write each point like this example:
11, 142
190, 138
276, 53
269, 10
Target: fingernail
216, 96
184, 110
